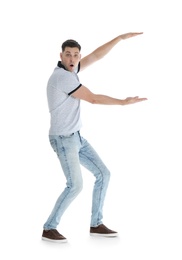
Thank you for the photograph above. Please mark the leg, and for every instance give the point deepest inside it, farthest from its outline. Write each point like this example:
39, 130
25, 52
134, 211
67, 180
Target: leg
67, 149
90, 160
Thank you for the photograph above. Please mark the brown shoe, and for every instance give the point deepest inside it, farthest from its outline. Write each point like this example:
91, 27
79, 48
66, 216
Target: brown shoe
53, 235
103, 231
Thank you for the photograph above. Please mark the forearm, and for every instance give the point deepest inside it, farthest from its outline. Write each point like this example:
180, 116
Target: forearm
106, 100
85, 94
101, 51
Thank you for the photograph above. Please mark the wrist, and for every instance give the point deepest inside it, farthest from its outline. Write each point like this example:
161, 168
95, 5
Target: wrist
123, 102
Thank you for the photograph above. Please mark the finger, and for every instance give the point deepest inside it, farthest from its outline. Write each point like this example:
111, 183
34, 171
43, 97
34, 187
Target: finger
141, 99
135, 34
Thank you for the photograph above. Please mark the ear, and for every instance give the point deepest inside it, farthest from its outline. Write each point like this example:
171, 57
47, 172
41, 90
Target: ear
60, 55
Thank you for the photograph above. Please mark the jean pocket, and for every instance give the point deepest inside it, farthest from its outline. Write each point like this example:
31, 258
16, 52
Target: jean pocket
66, 136
53, 143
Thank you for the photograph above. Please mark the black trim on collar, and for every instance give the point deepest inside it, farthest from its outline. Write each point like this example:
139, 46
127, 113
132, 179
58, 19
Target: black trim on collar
60, 65
78, 67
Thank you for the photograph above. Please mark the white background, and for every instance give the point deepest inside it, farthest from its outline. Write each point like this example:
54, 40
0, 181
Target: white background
141, 144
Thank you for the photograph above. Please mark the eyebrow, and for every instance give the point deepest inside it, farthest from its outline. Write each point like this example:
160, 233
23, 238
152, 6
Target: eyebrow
70, 52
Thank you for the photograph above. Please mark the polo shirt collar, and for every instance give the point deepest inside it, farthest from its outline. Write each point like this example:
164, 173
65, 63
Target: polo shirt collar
60, 65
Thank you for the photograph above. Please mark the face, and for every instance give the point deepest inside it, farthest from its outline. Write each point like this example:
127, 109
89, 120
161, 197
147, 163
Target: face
70, 58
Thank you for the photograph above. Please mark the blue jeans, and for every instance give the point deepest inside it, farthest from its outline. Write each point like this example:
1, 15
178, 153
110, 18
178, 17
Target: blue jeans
72, 151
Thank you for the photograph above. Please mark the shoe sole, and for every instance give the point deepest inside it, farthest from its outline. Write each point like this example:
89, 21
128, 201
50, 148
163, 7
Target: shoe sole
104, 235
54, 240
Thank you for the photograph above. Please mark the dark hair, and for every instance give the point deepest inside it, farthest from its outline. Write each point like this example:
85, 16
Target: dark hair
70, 43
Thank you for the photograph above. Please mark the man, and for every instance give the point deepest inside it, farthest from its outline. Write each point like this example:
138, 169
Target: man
64, 92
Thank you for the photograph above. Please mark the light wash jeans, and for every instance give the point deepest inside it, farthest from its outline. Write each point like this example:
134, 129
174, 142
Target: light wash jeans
72, 151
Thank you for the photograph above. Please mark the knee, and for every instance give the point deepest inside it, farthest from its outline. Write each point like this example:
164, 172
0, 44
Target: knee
107, 174
77, 187
103, 176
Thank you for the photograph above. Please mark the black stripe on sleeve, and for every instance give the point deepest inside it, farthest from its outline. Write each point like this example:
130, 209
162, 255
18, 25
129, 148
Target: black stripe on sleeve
74, 90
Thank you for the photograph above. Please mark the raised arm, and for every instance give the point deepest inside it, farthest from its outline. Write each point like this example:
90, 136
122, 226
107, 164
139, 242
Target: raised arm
101, 51
85, 94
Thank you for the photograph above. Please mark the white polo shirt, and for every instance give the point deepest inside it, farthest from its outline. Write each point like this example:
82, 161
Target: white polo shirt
64, 109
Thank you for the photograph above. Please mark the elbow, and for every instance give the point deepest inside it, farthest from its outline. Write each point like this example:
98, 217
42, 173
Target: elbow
93, 100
